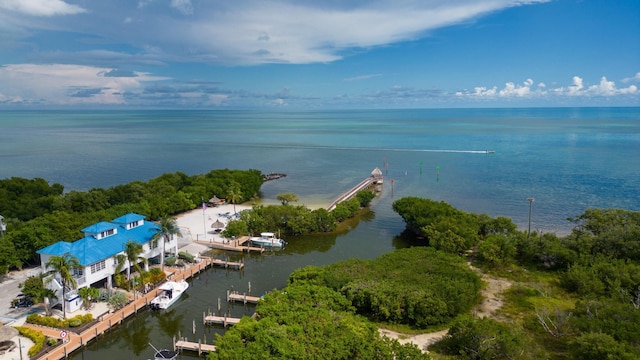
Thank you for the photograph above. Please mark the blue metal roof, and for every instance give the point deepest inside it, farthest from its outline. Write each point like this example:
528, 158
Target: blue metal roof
90, 250
97, 228
128, 218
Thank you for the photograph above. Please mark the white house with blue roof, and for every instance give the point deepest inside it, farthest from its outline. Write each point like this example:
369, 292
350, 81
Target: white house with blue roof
97, 251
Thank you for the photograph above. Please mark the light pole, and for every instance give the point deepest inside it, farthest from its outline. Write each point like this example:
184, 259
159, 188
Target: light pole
530, 200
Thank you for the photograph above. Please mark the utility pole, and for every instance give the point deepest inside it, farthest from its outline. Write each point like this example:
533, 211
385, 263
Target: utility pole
530, 200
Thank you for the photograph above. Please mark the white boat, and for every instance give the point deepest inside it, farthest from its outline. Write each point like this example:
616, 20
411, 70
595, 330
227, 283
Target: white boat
268, 239
171, 292
164, 354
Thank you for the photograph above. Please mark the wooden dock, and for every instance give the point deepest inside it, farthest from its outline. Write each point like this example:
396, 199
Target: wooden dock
243, 298
375, 178
74, 341
192, 346
227, 264
221, 320
232, 245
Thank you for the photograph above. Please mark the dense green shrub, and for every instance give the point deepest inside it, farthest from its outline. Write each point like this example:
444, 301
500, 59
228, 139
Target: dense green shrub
155, 275
117, 300
183, 255
36, 336
444, 227
416, 286
308, 322
57, 323
483, 338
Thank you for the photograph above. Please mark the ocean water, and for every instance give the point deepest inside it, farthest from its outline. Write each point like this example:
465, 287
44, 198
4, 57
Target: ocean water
568, 159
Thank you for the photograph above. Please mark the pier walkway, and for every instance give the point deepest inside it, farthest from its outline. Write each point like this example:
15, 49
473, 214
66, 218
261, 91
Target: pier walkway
375, 178
73, 341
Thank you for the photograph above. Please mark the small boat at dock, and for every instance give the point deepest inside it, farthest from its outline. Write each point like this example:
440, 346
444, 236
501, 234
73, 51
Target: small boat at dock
164, 354
171, 292
267, 240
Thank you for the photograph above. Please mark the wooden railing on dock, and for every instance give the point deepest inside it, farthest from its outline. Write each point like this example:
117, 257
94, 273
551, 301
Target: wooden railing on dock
74, 341
364, 184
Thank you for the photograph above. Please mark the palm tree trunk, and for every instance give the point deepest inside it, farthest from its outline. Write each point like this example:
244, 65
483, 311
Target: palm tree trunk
64, 300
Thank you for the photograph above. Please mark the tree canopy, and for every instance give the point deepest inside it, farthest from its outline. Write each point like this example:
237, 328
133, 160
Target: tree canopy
38, 214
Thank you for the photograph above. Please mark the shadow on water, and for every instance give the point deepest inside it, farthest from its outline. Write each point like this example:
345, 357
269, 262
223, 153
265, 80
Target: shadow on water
407, 239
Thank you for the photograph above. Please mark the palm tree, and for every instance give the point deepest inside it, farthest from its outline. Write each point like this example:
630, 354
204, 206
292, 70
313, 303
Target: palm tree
234, 194
88, 293
132, 251
64, 266
168, 228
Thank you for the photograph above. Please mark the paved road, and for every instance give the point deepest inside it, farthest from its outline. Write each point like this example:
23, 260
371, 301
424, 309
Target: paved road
9, 290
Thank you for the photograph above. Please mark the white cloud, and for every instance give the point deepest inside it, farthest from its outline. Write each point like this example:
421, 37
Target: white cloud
576, 89
511, 89
577, 86
252, 32
60, 84
362, 77
41, 7
184, 6
635, 78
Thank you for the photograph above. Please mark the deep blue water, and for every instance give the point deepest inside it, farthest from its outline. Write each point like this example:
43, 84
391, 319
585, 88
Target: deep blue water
568, 159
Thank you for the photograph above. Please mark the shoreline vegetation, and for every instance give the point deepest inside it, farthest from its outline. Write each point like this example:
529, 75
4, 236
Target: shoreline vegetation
575, 296
38, 214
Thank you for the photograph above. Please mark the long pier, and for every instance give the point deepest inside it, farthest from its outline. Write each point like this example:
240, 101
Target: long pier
375, 178
73, 341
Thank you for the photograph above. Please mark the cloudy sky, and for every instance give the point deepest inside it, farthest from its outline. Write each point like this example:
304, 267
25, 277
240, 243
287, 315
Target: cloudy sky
318, 54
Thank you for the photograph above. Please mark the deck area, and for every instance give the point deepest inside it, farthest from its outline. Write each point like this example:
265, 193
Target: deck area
238, 245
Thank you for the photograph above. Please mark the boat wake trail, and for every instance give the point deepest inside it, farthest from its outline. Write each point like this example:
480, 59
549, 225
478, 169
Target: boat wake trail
354, 148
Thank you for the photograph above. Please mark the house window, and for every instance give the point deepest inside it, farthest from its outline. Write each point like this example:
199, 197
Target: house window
78, 272
100, 265
107, 233
134, 224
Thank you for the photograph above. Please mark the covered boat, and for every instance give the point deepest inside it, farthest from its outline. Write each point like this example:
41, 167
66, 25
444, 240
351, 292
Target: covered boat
268, 240
171, 292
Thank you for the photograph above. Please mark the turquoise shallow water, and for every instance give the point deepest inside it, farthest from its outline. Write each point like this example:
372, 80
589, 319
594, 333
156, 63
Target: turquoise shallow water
569, 159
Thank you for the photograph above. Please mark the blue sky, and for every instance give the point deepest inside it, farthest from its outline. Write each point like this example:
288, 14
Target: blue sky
314, 54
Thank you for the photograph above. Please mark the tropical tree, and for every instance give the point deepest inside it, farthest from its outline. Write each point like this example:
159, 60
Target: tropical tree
34, 287
64, 266
168, 228
234, 194
88, 293
286, 198
132, 251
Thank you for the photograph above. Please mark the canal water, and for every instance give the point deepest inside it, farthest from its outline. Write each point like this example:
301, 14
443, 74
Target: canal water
375, 232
